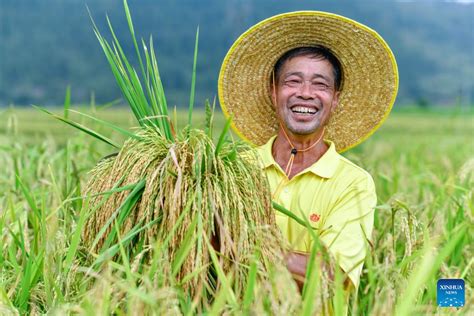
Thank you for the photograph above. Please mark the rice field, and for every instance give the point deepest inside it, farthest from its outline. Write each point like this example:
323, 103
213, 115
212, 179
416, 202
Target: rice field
422, 163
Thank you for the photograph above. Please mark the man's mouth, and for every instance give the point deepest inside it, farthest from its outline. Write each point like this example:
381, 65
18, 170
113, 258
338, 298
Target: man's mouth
304, 110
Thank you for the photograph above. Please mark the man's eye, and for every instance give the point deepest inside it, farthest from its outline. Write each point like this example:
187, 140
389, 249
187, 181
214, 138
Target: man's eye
320, 85
292, 82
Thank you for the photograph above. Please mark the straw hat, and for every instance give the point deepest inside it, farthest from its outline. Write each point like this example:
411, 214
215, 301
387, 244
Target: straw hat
370, 75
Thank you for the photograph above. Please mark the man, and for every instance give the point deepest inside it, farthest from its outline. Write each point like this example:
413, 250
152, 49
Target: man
305, 86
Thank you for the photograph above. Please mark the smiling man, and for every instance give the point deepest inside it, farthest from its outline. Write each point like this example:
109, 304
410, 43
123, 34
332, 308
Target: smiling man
305, 91
305, 86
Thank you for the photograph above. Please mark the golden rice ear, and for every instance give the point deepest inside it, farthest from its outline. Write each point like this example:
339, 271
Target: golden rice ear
187, 188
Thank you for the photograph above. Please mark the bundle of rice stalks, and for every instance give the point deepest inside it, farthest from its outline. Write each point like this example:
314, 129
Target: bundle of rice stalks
198, 212
195, 194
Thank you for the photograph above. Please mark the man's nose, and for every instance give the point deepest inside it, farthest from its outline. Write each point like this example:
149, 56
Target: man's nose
305, 90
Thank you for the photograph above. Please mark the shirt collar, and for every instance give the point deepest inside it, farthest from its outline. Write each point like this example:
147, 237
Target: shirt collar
325, 167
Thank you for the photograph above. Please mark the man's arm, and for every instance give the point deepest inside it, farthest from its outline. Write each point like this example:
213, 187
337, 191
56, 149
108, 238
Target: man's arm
345, 233
349, 225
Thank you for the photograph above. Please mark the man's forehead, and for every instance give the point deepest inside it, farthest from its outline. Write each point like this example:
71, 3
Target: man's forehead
304, 66
303, 74
307, 59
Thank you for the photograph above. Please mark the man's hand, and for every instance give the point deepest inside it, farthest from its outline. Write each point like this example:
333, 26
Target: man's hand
297, 262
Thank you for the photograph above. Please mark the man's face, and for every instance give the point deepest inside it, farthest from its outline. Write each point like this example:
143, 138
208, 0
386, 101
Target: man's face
305, 94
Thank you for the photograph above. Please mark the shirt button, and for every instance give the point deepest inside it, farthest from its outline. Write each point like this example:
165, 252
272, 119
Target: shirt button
286, 191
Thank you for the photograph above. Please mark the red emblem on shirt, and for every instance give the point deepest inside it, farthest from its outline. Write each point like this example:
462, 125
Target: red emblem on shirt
314, 217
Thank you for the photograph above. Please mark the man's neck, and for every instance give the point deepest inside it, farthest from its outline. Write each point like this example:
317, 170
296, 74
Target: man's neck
304, 157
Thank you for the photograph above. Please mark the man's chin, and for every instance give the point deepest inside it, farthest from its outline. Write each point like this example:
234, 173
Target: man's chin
302, 131
302, 128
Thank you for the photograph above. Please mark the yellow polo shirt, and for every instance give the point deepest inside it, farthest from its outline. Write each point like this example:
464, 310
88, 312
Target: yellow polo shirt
338, 199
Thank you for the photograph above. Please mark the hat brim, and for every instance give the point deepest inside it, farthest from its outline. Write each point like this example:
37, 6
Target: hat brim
370, 75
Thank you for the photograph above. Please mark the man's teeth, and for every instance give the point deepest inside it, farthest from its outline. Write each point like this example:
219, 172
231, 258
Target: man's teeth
303, 109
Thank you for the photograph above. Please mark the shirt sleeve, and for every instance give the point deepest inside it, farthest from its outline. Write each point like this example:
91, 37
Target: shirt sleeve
346, 240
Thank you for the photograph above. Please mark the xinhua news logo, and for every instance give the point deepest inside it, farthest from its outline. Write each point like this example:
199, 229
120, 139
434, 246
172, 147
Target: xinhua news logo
451, 293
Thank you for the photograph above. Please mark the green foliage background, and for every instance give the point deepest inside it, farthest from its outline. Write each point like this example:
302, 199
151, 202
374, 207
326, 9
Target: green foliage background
49, 44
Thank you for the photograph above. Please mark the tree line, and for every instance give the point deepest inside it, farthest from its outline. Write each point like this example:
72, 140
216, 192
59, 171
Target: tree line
46, 45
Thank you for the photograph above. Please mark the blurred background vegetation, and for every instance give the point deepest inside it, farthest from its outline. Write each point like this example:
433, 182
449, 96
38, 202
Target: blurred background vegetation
46, 45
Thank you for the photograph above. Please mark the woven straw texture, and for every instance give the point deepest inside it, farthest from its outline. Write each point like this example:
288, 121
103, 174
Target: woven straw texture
369, 85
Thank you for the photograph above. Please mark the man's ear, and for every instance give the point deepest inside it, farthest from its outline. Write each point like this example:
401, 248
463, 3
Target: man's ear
273, 87
335, 101
273, 94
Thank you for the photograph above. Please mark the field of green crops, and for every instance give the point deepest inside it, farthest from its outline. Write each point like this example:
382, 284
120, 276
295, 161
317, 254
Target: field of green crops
422, 164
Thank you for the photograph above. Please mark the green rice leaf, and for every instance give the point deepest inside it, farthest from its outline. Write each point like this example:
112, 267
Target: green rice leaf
184, 249
113, 126
193, 79
209, 117
221, 297
123, 211
67, 101
29, 279
128, 73
158, 86
338, 299
123, 253
31, 202
251, 282
195, 273
75, 240
150, 80
108, 192
132, 33
80, 127
114, 215
19, 241
285, 211
311, 283
224, 280
108, 104
112, 251
222, 137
